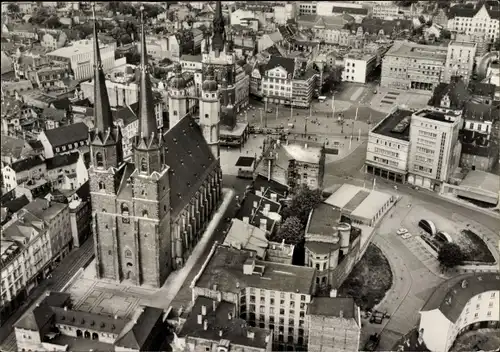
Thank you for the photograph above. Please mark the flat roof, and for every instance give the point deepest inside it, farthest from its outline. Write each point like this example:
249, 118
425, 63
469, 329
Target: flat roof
225, 269
414, 50
355, 201
343, 195
333, 307
434, 115
71, 50
245, 161
309, 154
481, 181
371, 204
395, 125
452, 295
323, 218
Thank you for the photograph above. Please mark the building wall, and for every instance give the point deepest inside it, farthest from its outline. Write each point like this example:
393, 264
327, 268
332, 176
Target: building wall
357, 70
333, 334
385, 11
387, 153
482, 163
459, 61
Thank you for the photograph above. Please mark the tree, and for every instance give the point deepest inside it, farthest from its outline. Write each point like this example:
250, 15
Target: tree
39, 16
496, 44
450, 255
53, 22
125, 39
302, 203
13, 8
445, 34
291, 231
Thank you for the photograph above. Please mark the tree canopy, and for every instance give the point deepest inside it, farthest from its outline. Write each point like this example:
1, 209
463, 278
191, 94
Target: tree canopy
303, 201
450, 255
13, 8
291, 231
40, 15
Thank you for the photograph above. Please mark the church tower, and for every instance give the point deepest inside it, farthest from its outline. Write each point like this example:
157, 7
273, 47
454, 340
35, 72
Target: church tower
149, 240
210, 112
106, 161
177, 97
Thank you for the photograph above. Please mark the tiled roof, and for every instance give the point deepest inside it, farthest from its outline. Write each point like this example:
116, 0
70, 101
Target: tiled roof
278, 61
16, 204
456, 91
37, 318
349, 10
54, 114
11, 146
483, 89
67, 134
452, 296
469, 10
189, 158
480, 112
136, 337
27, 164
333, 307
62, 160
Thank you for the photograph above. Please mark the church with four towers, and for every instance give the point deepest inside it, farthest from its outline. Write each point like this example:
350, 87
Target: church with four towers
150, 212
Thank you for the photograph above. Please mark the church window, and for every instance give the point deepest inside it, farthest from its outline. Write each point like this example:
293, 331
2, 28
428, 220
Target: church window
206, 116
109, 252
175, 112
124, 208
144, 165
144, 213
102, 186
99, 161
128, 253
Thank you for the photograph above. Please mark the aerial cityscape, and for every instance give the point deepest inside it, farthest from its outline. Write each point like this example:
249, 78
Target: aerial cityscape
250, 176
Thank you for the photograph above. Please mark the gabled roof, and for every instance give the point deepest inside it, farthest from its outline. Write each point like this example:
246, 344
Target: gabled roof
54, 114
480, 112
35, 319
469, 10
483, 89
456, 90
61, 104
279, 61
136, 337
16, 204
350, 10
189, 158
11, 146
62, 160
26, 164
67, 134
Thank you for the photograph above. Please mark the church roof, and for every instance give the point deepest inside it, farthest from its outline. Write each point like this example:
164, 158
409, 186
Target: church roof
136, 337
189, 158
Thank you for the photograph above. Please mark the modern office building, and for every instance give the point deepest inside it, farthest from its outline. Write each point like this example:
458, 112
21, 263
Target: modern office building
458, 306
358, 66
412, 66
435, 148
389, 146
459, 61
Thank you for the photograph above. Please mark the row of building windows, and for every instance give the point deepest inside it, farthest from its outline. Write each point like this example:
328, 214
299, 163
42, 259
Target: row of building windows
386, 152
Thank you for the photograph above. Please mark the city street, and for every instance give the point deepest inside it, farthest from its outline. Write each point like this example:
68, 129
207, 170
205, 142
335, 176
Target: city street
61, 275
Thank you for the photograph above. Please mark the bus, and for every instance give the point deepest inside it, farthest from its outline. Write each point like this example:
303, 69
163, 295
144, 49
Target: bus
321, 98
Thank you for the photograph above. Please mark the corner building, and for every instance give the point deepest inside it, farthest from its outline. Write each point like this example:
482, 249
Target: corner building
148, 214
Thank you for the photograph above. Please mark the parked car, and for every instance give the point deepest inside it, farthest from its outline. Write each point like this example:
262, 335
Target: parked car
402, 231
372, 343
406, 236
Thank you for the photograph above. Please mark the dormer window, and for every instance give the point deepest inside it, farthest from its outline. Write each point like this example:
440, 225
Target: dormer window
99, 160
144, 213
144, 165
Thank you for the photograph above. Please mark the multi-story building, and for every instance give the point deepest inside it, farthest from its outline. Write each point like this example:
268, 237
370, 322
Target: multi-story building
23, 171
334, 325
284, 12
213, 325
79, 57
268, 295
469, 304
483, 18
389, 146
329, 29
293, 163
407, 65
65, 139
307, 7
67, 171
167, 193
435, 148
386, 11
358, 67
459, 61
54, 40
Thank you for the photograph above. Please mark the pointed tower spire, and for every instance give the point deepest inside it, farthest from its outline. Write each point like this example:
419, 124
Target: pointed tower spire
102, 109
219, 37
147, 120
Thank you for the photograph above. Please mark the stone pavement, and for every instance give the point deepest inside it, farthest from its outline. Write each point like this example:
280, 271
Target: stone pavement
386, 99
105, 297
229, 156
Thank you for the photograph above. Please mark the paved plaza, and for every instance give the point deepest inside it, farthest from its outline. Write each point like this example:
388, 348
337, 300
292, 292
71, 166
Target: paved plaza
386, 99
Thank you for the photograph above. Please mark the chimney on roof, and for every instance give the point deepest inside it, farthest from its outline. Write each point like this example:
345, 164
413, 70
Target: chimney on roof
341, 314
116, 317
273, 197
205, 324
65, 308
220, 333
255, 204
203, 310
464, 284
200, 319
229, 316
263, 224
246, 220
214, 305
215, 287
250, 335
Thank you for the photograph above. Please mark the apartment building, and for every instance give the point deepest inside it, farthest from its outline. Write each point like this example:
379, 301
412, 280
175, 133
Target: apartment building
435, 148
386, 11
26, 170
277, 80
307, 7
67, 171
79, 56
459, 61
213, 325
334, 325
65, 139
470, 304
412, 66
389, 146
483, 18
293, 163
358, 67
267, 295
284, 12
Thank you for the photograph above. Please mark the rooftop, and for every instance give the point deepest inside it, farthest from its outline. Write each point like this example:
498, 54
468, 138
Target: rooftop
435, 115
253, 207
225, 269
323, 218
452, 296
222, 323
246, 236
417, 51
65, 135
395, 125
79, 47
245, 161
481, 181
304, 153
339, 307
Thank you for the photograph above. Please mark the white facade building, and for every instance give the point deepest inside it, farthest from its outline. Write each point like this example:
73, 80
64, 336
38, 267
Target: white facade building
80, 58
470, 304
284, 13
482, 19
357, 67
386, 11
459, 61
435, 149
